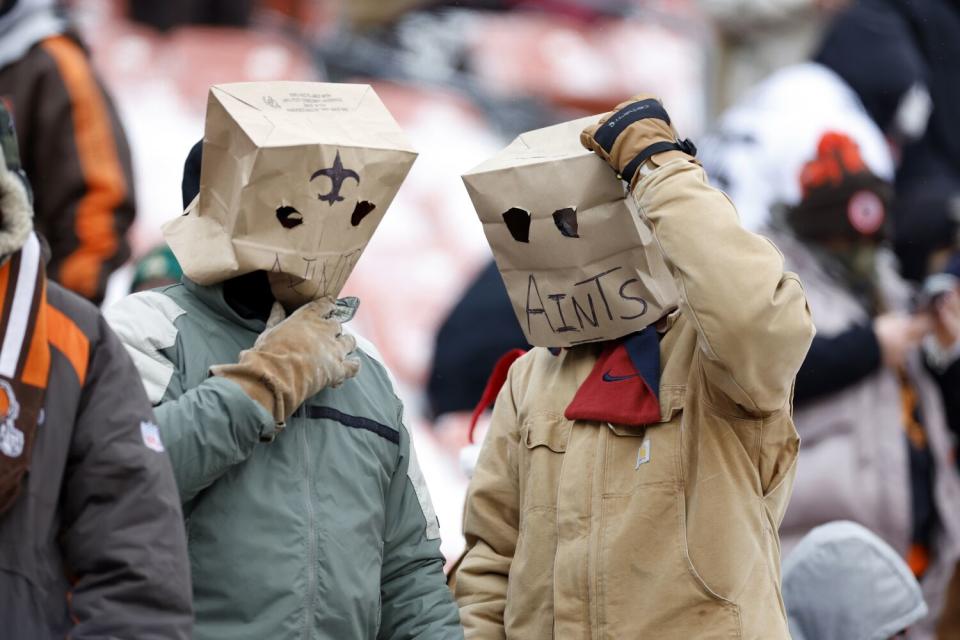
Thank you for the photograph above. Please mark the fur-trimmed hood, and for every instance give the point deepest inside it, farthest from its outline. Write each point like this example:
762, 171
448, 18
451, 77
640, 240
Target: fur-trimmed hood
16, 212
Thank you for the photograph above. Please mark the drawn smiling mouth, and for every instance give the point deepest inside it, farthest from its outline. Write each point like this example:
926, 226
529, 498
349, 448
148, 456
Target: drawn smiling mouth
289, 217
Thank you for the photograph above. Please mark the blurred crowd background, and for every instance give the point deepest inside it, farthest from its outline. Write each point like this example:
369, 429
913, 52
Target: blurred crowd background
775, 94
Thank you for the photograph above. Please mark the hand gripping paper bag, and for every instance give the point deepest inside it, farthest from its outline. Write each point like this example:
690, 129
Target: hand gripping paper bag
579, 263
295, 178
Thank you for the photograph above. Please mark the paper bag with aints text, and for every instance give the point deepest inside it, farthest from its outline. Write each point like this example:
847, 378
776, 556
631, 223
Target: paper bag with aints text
295, 178
578, 261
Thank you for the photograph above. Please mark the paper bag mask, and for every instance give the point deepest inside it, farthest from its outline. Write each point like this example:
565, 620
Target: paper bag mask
579, 263
295, 178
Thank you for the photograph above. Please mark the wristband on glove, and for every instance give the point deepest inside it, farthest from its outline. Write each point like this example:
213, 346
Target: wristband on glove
607, 134
686, 146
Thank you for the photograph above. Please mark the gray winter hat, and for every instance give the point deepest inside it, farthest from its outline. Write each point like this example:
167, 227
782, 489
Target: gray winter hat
842, 582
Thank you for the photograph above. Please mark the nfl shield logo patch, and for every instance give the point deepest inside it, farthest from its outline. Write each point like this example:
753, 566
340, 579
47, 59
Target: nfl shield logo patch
151, 436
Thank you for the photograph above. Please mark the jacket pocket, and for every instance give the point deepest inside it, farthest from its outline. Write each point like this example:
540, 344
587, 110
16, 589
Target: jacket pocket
637, 457
545, 437
548, 430
647, 587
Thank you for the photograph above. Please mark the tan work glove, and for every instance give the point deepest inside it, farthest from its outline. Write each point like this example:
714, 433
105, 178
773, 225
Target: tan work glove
632, 133
293, 359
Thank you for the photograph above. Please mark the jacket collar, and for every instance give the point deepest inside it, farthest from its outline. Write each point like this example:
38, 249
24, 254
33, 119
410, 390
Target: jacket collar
212, 296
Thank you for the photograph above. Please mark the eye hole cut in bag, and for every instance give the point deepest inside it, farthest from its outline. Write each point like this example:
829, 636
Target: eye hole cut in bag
518, 222
566, 221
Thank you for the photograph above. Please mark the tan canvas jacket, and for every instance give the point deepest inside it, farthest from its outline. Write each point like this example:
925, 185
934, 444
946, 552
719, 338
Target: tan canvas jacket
580, 530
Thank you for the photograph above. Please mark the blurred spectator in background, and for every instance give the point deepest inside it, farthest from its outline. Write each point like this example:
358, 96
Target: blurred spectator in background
844, 583
757, 37
158, 268
942, 296
92, 543
73, 147
792, 107
480, 329
902, 57
876, 448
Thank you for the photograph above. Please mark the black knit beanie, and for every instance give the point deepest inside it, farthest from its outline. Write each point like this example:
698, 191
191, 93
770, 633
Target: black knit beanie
841, 197
190, 186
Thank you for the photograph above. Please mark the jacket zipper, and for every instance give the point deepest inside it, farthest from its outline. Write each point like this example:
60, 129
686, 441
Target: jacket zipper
311, 531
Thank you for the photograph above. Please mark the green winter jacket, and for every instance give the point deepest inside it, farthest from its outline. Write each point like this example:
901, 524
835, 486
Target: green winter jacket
323, 530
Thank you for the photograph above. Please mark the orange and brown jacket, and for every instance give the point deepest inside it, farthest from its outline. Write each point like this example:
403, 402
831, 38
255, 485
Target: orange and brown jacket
73, 149
586, 531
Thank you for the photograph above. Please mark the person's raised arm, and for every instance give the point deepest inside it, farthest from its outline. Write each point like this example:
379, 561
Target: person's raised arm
751, 316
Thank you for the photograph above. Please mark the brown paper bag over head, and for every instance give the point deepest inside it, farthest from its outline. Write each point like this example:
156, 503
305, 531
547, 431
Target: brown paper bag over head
578, 261
295, 178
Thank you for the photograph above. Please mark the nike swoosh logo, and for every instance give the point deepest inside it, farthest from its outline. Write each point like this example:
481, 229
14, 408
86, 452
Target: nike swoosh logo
609, 377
